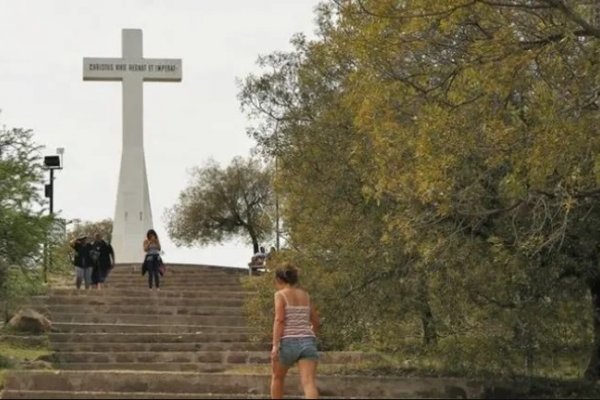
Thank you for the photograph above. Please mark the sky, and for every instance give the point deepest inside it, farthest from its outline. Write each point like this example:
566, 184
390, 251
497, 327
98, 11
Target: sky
42, 46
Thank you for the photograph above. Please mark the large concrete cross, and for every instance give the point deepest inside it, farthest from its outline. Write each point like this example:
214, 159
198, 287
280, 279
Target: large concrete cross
133, 214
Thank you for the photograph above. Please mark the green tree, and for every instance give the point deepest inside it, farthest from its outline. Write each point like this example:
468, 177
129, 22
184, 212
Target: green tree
90, 228
24, 228
495, 150
445, 152
334, 227
219, 204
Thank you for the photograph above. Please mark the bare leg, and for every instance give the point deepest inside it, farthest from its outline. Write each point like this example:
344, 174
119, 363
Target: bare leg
277, 379
308, 373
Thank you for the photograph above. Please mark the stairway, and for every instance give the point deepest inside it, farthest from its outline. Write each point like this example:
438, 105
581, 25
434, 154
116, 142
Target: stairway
188, 340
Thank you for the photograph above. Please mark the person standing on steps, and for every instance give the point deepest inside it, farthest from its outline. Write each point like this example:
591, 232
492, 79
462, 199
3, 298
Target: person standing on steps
103, 257
82, 262
152, 260
295, 327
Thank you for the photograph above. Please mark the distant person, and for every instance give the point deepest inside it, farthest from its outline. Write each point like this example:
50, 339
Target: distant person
259, 257
82, 262
103, 259
152, 260
295, 327
258, 260
270, 256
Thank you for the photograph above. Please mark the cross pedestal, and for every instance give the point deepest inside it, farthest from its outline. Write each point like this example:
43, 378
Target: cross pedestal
133, 214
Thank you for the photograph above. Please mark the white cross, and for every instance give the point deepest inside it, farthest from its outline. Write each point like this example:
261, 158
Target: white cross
133, 213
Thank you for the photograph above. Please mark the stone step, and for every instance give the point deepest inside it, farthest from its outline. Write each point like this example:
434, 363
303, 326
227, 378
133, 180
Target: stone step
144, 292
167, 286
179, 277
255, 384
110, 347
136, 270
135, 301
220, 357
209, 267
173, 367
147, 366
168, 283
158, 309
78, 327
51, 394
214, 320
150, 338
181, 270
193, 278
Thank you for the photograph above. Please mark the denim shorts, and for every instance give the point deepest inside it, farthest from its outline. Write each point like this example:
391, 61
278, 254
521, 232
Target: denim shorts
294, 349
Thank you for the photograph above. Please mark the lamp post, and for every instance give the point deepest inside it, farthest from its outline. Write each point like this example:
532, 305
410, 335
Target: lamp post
51, 163
276, 191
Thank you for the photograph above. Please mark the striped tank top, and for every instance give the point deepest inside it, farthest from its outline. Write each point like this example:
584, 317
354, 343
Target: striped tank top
297, 321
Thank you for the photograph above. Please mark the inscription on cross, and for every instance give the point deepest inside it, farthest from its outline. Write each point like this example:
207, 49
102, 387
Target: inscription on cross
133, 213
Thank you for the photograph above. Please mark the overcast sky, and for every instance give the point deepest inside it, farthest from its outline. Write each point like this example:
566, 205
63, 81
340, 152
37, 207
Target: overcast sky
42, 44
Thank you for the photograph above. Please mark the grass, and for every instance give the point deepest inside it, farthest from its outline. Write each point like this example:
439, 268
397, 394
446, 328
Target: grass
13, 353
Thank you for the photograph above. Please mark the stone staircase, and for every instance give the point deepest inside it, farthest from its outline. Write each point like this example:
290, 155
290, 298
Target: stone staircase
188, 340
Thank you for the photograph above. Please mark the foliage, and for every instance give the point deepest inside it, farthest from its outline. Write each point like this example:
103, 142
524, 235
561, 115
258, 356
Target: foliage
13, 353
90, 228
18, 286
23, 224
438, 169
219, 204
24, 228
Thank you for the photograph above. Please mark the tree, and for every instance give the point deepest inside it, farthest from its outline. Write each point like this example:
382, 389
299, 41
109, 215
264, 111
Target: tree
24, 227
445, 151
502, 142
334, 227
223, 203
90, 228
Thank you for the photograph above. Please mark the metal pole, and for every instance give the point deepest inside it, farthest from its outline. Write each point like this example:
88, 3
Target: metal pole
276, 191
47, 247
51, 191
276, 210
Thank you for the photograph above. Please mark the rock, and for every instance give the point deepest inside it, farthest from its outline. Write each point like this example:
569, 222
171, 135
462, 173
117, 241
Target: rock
28, 320
47, 358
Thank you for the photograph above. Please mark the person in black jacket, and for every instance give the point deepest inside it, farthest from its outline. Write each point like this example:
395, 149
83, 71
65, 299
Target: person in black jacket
102, 256
82, 262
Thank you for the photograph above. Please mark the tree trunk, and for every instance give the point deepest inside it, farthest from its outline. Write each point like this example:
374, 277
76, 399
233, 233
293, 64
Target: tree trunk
429, 331
253, 237
592, 371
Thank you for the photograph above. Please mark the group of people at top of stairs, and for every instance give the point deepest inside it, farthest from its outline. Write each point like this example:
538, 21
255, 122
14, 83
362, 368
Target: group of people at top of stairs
295, 328
93, 260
